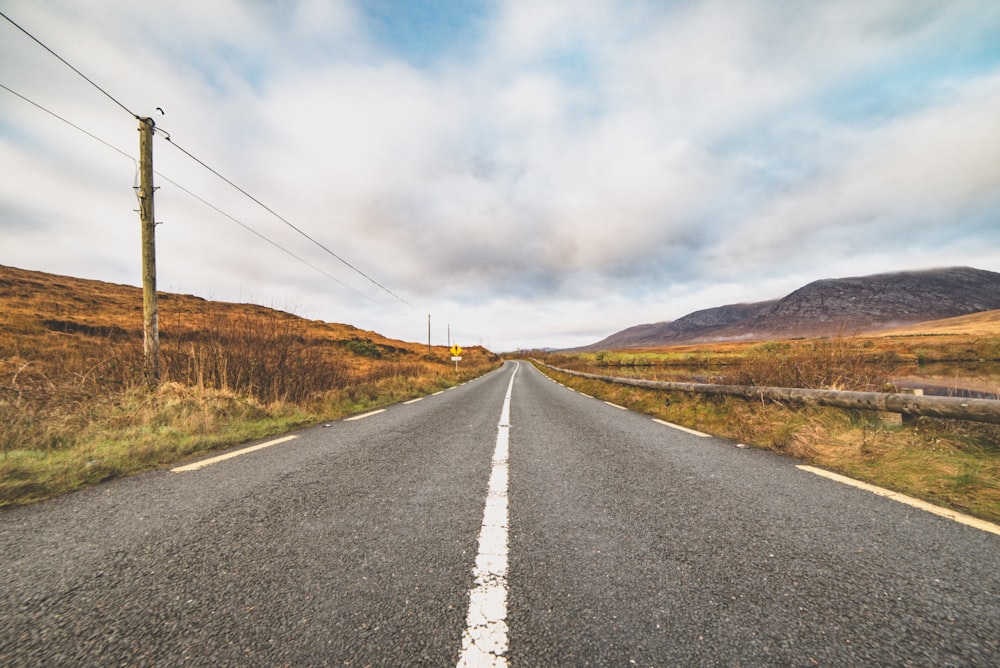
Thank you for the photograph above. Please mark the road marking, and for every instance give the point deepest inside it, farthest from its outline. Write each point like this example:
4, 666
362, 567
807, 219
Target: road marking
616, 406
412, 401
229, 455
584, 394
908, 500
364, 415
677, 426
450, 388
437, 393
484, 641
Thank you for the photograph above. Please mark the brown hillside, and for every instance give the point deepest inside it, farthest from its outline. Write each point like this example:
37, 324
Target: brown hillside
31, 301
52, 325
986, 323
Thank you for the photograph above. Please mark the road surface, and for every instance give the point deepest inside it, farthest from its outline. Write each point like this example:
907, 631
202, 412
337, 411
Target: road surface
509, 520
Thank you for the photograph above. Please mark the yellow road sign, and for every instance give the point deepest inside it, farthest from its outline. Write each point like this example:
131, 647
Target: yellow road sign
456, 350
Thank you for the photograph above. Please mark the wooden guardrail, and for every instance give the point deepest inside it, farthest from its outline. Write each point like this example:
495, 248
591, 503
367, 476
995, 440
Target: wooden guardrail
958, 408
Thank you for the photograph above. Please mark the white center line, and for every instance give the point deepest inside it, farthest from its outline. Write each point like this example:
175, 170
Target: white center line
229, 455
484, 642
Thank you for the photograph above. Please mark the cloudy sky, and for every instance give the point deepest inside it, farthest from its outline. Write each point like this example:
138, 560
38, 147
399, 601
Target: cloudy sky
532, 173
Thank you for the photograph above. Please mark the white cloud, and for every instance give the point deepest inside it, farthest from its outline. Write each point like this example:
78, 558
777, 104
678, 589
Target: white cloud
576, 169
912, 177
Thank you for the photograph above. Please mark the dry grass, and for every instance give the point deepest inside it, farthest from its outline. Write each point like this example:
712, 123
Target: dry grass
986, 323
966, 338
74, 408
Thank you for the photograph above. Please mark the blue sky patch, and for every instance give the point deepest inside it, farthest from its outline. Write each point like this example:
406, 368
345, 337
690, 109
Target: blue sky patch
423, 32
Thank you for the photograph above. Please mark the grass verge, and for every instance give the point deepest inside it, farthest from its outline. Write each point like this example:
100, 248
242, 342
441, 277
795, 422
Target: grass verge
143, 429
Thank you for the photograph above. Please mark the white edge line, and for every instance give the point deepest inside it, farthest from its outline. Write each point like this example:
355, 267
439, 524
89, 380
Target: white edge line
684, 429
412, 401
364, 415
437, 393
908, 500
616, 406
229, 455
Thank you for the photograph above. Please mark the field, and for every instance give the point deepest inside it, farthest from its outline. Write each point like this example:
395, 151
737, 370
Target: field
75, 408
969, 338
948, 462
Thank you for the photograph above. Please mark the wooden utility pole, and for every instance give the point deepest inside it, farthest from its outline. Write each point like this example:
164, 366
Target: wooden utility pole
428, 333
150, 317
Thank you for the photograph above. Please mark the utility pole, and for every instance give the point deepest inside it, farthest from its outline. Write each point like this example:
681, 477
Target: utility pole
428, 333
150, 316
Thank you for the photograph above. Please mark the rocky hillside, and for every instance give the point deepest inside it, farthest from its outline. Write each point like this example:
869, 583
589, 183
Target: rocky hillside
828, 307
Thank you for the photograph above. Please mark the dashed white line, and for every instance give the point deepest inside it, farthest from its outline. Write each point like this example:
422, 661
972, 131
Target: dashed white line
437, 393
677, 426
616, 406
908, 500
484, 641
412, 401
364, 415
229, 455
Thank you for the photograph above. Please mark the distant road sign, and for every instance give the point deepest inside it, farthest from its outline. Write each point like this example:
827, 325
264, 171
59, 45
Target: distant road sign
456, 350
456, 358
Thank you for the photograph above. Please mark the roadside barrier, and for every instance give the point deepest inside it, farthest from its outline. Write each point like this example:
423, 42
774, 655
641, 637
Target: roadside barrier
957, 408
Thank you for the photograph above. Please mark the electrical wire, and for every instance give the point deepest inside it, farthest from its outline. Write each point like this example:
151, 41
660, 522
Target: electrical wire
206, 166
66, 63
69, 123
280, 217
255, 232
189, 192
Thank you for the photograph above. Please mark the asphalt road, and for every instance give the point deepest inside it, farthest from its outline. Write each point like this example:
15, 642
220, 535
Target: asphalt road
628, 543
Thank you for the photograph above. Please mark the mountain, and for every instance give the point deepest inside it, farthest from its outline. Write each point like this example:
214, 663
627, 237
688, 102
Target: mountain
828, 307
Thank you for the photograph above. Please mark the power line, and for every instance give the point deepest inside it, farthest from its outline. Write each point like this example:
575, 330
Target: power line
67, 122
283, 219
255, 232
206, 166
66, 63
182, 188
